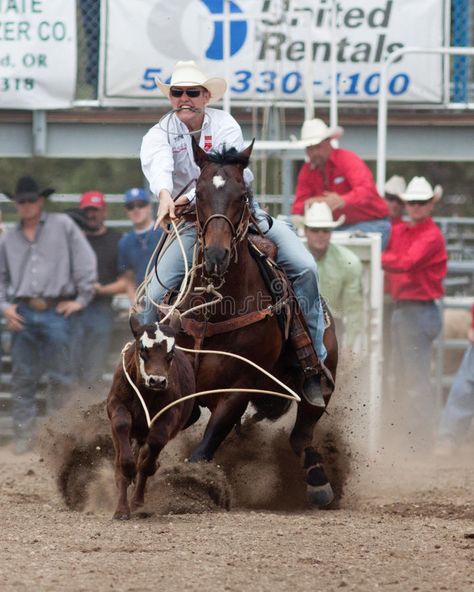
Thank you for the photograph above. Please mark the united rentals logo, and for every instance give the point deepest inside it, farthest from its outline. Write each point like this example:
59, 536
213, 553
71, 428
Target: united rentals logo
238, 30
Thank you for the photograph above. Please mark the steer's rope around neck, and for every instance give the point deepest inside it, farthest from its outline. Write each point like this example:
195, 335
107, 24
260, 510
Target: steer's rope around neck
292, 396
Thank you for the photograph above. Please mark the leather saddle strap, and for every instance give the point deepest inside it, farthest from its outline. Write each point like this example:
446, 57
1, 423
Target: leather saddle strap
201, 329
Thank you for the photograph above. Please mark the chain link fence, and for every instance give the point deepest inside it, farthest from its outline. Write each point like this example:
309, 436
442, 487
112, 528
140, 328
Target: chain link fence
88, 39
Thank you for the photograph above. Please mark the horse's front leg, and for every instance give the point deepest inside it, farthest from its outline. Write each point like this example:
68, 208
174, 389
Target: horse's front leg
125, 468
224, 417
148, 461
318, 488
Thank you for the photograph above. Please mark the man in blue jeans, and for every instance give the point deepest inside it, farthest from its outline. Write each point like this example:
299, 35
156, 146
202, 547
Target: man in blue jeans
168, 163
416, 258
458, 412
47, 275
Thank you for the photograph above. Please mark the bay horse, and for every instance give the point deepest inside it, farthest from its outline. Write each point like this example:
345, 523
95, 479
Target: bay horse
240, 323
162, 374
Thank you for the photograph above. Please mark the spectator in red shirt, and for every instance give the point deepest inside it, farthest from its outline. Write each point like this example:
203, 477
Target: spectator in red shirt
416, 258
340, 179
394, 187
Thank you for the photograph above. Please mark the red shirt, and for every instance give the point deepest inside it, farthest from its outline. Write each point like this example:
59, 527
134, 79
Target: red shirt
348, 175
386, 275
416, 258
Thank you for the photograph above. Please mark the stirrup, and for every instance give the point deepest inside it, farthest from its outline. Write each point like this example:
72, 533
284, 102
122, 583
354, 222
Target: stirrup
318, 385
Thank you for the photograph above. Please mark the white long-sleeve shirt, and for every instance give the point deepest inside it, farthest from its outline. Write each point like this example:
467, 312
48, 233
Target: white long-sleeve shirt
167, 155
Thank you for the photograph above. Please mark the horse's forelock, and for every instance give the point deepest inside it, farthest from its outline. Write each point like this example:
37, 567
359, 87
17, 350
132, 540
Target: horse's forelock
227, 156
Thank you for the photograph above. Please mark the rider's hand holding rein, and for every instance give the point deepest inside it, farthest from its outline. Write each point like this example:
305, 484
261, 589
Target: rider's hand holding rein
167, 208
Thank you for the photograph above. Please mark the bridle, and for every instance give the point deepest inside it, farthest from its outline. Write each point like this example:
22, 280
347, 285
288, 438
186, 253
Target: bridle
238, 232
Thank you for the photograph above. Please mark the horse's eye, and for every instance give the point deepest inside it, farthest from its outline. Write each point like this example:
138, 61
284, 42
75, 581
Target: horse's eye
169, 357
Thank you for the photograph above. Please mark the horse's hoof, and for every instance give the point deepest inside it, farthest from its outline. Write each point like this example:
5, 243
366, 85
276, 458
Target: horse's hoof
122, 516
320, 495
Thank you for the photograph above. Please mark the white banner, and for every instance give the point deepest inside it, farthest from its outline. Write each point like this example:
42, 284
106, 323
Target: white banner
279, 49
37, 54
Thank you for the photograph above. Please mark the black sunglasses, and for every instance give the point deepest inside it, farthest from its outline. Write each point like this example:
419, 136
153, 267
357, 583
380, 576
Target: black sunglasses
418, 202
325, 230
25, 200
136, 204
192, 93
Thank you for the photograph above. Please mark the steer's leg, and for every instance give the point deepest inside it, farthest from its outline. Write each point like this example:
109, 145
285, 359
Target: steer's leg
318, 488
224, 417
125, 468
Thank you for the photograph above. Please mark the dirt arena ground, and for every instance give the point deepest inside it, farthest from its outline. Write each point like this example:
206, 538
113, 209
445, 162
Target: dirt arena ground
403, 523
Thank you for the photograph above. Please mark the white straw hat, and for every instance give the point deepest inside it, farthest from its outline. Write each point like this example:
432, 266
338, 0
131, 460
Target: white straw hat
188, 74
315, 131
318, 215
419, 189
396, 185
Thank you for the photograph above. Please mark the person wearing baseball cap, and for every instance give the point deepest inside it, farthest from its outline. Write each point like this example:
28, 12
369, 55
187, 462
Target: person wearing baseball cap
168, 163
416, 258
341, 179
138, 245
94, 327
340, 271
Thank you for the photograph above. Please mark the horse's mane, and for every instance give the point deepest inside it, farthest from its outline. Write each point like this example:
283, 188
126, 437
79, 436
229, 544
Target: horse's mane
227, 156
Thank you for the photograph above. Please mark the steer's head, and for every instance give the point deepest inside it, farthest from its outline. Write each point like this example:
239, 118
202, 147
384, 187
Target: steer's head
154, 353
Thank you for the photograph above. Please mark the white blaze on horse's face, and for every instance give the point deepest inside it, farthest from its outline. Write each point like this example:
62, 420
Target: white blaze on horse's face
218, 181
156, 381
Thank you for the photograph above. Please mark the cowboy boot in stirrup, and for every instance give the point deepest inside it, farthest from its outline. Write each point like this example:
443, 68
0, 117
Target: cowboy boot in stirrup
318, 383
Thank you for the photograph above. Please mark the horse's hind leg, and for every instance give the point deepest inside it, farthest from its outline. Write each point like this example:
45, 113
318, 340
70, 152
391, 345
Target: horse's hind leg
318, 488
224, 417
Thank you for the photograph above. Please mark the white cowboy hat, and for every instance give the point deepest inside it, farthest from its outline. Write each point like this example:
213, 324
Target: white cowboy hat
396, 185
315, 131
318, 215
188, 74
418, 189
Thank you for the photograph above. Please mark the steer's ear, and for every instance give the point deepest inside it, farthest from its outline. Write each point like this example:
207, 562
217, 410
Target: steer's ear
134, 324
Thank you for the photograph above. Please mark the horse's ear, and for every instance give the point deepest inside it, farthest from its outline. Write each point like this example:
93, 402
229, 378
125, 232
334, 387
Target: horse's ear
200, 157
134, 324
245, 154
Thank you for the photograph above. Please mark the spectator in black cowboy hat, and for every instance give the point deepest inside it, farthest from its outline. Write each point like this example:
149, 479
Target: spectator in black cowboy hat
47, 274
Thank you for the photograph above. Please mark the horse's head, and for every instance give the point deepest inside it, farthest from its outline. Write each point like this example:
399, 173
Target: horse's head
154, 352
222, 205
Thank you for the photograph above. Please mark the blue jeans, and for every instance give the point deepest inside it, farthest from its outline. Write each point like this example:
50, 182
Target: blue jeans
292, 256
382, 226
41, 347
414, 328
459, 410
92, 328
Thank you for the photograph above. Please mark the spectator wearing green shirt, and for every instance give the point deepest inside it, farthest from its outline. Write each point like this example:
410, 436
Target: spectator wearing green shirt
340, 271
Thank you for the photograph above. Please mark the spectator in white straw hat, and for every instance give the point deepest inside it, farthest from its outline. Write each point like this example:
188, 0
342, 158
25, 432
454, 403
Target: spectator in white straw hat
416, 258
340, 179
393, 189
168, 163
340, 271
